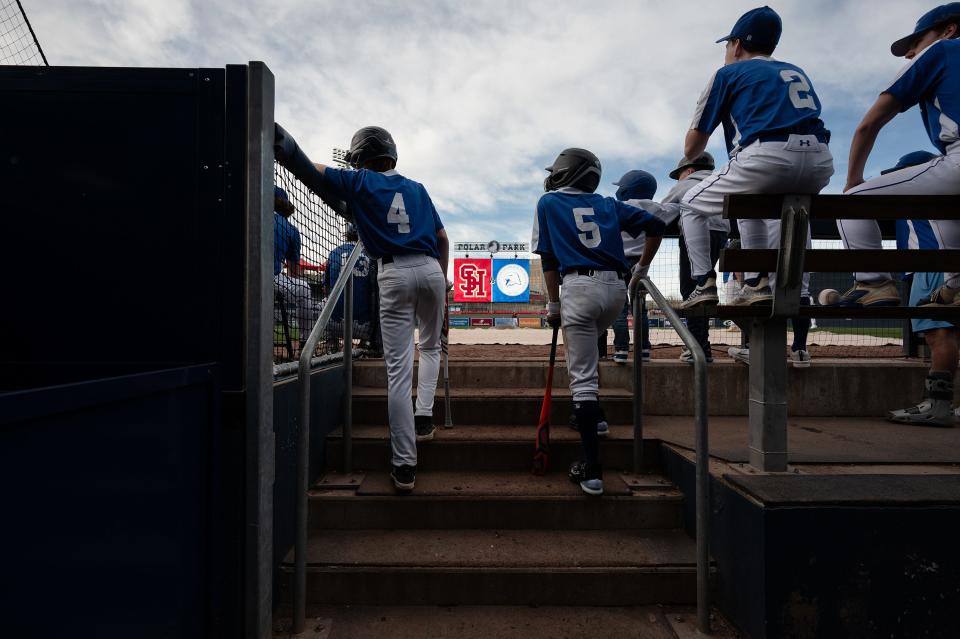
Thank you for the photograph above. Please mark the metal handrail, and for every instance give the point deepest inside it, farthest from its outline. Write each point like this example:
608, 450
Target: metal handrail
344, 281
638, 291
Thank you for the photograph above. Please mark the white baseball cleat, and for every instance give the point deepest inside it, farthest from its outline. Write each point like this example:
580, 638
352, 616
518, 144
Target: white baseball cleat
705, 294
800, 359
749, 295
739, 354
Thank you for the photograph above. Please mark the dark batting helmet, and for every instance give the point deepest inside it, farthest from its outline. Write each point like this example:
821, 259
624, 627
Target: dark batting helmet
577, 168
370, 143
705, 161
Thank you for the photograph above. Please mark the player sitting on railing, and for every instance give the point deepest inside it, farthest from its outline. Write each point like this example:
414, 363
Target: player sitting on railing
930, 80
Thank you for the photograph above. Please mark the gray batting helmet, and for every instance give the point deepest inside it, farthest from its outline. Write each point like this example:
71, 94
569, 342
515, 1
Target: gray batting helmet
705, 161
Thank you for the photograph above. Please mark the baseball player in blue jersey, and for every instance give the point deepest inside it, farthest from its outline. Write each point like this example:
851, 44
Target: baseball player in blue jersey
930, 79
286, 264
777, 143
636, 188
400, 228
577, 234
362, 287
941, 337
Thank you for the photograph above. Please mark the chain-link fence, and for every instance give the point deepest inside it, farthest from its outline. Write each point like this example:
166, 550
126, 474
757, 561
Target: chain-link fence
311, 245
828, 337
841, 337
18, 42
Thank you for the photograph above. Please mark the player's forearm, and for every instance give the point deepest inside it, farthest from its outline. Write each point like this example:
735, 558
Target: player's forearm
650, 247
293, 269
882, 111
695, 144
443, 246
552, 280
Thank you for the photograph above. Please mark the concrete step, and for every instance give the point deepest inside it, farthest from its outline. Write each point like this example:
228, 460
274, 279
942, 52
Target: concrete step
493, 406
501, 622
487, 374
668, 384
498, 567
498, 500
488, 448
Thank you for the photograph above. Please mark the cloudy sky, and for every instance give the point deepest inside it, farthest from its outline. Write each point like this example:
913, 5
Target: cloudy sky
481, 95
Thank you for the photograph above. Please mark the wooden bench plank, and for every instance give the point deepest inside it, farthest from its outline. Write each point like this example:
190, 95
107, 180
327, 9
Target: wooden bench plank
842, 260
848, 207
886, 312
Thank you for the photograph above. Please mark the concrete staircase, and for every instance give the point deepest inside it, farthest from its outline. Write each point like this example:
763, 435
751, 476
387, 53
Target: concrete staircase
480, 529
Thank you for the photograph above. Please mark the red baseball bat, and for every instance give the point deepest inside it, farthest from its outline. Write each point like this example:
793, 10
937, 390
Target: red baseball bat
542, 451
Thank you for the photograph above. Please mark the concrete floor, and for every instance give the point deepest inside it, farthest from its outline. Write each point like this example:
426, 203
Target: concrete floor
488, 622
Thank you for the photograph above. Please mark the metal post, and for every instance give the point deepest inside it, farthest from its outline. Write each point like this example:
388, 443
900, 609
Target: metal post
702, 455
260, 452
768, 395
348, 377
303, 440
638, 300
703, 497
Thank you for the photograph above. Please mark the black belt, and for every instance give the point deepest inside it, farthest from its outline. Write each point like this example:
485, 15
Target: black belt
589, 272
783, 137
387, 259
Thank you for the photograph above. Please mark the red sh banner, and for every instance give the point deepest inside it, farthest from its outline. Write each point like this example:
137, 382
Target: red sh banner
472, 279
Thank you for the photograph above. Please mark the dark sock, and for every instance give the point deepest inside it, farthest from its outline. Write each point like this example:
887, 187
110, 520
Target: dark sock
751, 281
588, 416
703, 278
801, 328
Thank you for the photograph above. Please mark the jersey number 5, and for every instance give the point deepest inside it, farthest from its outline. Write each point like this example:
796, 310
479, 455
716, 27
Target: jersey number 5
591, 232
799, 85
398, 214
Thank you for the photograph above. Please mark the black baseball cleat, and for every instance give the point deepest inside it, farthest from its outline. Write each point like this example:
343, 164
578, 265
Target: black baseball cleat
424, 426
589, 478
404, 477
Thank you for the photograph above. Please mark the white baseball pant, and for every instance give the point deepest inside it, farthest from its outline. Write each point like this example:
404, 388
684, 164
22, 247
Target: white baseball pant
412, 287
588, 305
296, 291
800, 165
939, 176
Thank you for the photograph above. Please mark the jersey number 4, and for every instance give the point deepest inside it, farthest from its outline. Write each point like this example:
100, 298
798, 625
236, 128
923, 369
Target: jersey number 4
398, 214
590, 237
798, 87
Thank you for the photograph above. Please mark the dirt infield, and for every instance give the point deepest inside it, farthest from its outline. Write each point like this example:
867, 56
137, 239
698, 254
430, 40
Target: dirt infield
513, 352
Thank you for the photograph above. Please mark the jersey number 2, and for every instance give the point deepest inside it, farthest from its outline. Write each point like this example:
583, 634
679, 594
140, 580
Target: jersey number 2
398, 214
591, 232
799, 85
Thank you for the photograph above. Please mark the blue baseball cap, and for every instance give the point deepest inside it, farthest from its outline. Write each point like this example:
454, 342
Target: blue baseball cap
911, 159
280, 194
636, 185
927, 21
761, 26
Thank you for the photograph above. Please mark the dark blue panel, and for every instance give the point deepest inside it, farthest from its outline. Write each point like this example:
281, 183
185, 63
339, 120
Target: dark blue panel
111, 502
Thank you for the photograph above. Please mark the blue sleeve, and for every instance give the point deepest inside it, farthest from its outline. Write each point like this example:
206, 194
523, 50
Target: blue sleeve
294, 244
540, 242
342, 182
922, 74
635, 221
709, 111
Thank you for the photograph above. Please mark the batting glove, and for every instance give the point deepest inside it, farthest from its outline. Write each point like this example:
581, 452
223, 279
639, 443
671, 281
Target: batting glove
553, 314
639, 272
